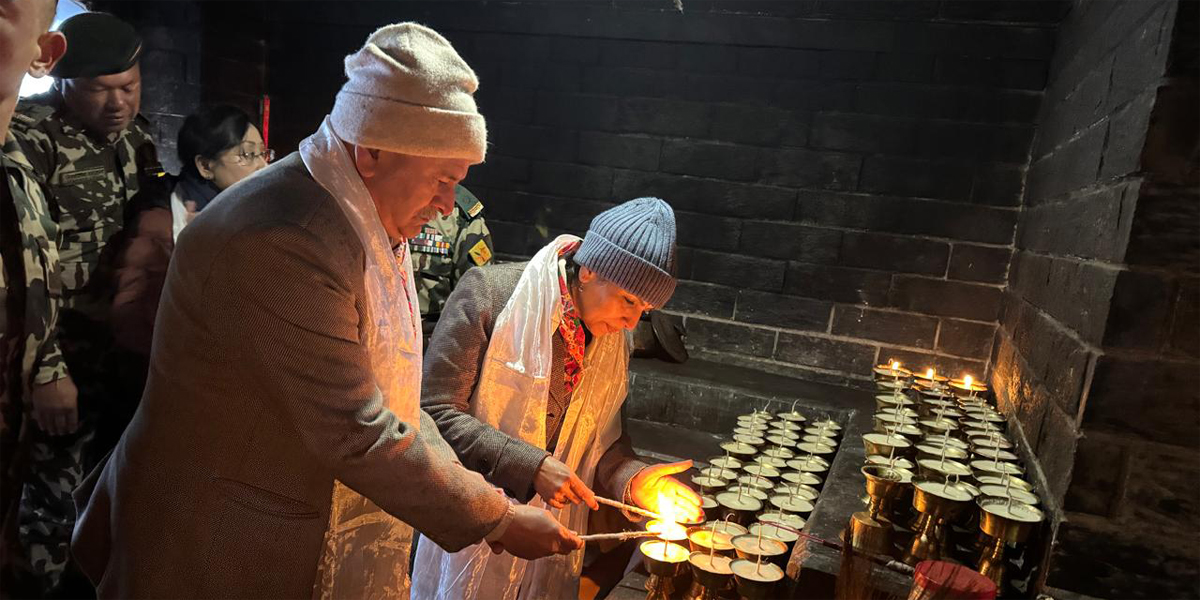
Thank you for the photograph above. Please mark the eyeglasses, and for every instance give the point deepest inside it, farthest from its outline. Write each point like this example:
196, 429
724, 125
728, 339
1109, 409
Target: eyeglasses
248, 158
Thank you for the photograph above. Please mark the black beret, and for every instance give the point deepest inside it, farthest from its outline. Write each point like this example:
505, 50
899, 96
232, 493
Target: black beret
97, 44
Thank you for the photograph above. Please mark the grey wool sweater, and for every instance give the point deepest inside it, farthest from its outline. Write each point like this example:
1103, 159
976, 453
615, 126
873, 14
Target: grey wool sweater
452, 367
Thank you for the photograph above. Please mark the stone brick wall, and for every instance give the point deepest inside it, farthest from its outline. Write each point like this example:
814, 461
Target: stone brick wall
1097, 352
170, 65
194, 54
847, 174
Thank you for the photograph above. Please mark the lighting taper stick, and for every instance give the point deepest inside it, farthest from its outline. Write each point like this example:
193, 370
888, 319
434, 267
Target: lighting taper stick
624, 535
629, 507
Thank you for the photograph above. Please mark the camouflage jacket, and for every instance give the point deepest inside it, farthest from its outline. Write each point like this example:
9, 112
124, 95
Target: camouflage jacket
446, 248
90, 184
31, 288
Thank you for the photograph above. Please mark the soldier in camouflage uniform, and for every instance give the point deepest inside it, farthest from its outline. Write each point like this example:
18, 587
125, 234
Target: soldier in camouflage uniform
30, 361
92, 153
32, 288
445, 249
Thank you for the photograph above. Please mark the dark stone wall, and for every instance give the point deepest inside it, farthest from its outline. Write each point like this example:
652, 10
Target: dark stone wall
1096, 354
194, 54
171, 65
846, 174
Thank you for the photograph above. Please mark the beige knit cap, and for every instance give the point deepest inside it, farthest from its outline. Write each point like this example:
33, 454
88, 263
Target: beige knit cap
410, 92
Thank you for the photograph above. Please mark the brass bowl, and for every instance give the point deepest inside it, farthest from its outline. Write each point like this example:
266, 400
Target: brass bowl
989, 467
945, 440
725, 462
781, 441
791, 504
709, 484
803, 478
984, 441
738, 511
748, 490
885, 445
938, 426
750, 547
711, 571
826, 423
882, 481
1002, 480
1009, 521
756, 481
806, 448
793, 416
895, 461
792, 520
899, 411
886, 401
752, 440
666, 565
770, 461
762, 470
700, 537
941, 470
809, 464
886, 372
910, 431
953, 499
719, 473
996, 454
937, 452
759, 586
1018, 495
798, 490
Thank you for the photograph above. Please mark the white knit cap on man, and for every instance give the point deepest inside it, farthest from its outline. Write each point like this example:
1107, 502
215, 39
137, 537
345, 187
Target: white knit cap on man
409, 92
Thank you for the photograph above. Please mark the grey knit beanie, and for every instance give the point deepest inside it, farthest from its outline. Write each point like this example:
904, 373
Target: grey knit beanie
633, 246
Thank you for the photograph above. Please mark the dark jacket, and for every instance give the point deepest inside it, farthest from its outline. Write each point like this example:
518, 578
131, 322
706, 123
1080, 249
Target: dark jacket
452, 367
260, 395
141, 272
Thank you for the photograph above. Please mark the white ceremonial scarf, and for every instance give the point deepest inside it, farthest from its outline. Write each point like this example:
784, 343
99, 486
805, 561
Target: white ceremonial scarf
366, 550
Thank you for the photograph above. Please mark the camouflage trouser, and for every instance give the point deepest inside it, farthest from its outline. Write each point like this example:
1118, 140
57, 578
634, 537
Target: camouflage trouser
55, 466
46, 515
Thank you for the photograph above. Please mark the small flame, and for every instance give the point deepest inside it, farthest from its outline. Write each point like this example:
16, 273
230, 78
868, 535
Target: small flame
929, 374
895, 365
668, 528
967, 381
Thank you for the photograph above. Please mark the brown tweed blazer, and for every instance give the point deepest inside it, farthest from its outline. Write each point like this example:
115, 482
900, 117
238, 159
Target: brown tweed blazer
452, 367
259, 396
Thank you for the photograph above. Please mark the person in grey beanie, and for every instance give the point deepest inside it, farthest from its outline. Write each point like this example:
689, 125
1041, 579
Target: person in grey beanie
525, 376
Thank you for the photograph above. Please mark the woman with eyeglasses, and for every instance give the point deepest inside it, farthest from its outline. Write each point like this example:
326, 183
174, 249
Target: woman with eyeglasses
218, 146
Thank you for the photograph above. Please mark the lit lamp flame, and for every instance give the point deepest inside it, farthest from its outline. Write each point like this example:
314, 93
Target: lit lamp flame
895, 365
929, 374
668, 528
967, 381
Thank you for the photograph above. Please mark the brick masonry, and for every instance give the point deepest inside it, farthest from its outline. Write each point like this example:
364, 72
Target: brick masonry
1095, 355
170, 64
194, 54
847, 175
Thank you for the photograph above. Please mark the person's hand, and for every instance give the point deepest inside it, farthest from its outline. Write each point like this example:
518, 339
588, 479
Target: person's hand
191, 211
557, 485
56, 406
534, 533
655, 481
